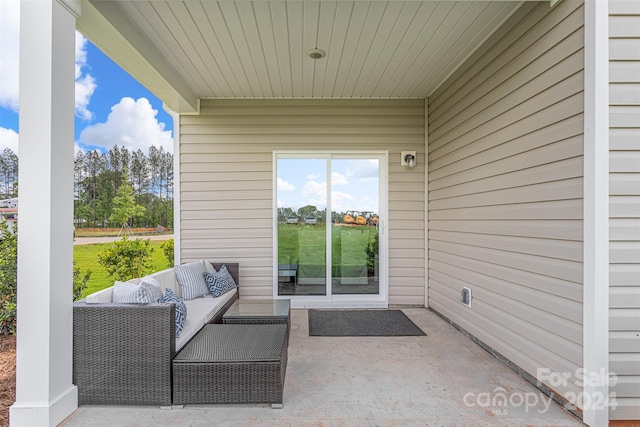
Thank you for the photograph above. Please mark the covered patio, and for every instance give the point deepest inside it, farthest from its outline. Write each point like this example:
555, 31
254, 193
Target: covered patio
500, 222
442, 378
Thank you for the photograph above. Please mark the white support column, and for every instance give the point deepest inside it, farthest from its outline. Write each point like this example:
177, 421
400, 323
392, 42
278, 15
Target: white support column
596, 213
45, 394
177, 257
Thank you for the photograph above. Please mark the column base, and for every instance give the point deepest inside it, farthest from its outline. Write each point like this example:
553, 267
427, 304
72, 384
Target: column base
44, 413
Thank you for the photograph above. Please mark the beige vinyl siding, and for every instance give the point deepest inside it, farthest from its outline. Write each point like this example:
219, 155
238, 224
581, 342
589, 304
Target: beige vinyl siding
505, 190
624, 207
226, 179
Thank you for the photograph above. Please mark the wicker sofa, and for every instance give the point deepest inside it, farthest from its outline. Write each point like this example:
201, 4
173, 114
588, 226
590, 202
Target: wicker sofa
122, 353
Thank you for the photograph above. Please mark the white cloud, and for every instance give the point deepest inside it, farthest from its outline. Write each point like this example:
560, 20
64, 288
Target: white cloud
368, 204
312, 177
285, 185
131, 124
341, 201
85, 83
314, 188
9, 53
364, 170
8, 139
316, 193
338, 179
9, 63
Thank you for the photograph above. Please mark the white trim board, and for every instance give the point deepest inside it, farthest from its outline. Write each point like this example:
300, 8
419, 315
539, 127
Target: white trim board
596, 207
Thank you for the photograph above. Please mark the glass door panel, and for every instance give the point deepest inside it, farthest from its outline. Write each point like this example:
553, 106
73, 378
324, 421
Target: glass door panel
331, 245
301, 226
355, 209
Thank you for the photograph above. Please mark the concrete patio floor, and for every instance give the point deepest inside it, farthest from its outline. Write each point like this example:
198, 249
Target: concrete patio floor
442, 379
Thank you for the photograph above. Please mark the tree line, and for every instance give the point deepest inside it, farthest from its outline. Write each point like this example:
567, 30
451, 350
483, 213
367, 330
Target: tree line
97, 178
8, 174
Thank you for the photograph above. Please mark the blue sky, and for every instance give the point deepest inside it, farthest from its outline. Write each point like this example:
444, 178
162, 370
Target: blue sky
111, 107
354, 184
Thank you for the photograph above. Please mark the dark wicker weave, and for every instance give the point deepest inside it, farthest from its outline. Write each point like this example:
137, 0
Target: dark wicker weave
116, 363
233, 316
248, 320
232, 364
122, 352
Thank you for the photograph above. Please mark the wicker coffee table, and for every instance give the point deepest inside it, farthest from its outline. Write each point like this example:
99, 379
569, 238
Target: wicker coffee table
232, 364
259, 312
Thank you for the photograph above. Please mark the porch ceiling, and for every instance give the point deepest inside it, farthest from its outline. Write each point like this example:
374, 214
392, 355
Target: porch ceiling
187, 50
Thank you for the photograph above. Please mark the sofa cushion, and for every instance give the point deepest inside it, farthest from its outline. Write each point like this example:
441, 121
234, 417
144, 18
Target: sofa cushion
191, 279
220, 282
181, 309
201, 311
167, 279
104, 296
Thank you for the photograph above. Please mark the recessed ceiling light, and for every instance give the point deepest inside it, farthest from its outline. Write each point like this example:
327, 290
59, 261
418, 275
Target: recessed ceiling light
316, 53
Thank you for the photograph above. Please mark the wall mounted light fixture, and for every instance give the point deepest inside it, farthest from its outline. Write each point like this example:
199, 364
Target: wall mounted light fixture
408, 158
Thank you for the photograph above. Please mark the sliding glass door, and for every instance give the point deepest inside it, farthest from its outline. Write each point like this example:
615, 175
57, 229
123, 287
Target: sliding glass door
329, 234
355, 214
301, 229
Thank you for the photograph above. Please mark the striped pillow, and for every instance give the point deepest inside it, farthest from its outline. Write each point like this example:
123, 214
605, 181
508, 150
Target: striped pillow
190, 279
181, 309
144, 292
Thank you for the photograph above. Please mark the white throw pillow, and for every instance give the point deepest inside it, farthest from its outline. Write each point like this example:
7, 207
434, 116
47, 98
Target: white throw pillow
190, 277
210, 268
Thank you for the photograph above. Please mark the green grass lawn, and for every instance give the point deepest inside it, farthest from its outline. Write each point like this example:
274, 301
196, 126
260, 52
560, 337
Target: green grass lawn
108, 232
305, 245
298, 244
86, 258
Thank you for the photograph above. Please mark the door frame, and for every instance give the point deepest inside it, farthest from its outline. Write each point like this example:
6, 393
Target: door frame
381, 300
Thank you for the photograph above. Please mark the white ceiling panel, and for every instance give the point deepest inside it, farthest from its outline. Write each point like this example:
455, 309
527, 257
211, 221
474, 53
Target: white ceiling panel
258, 49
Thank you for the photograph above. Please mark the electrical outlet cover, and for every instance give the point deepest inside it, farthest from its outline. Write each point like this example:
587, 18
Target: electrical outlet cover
465, 296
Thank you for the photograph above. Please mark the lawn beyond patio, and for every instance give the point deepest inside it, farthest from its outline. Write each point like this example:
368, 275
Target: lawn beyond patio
86, 258
305, 245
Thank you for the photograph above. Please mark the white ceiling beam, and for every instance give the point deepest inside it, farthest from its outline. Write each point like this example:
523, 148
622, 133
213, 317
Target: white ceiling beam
72, 6
104, 24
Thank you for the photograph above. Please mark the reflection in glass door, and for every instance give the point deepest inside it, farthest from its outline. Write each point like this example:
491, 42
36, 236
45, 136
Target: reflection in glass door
328, 225
354, 226
301, 194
